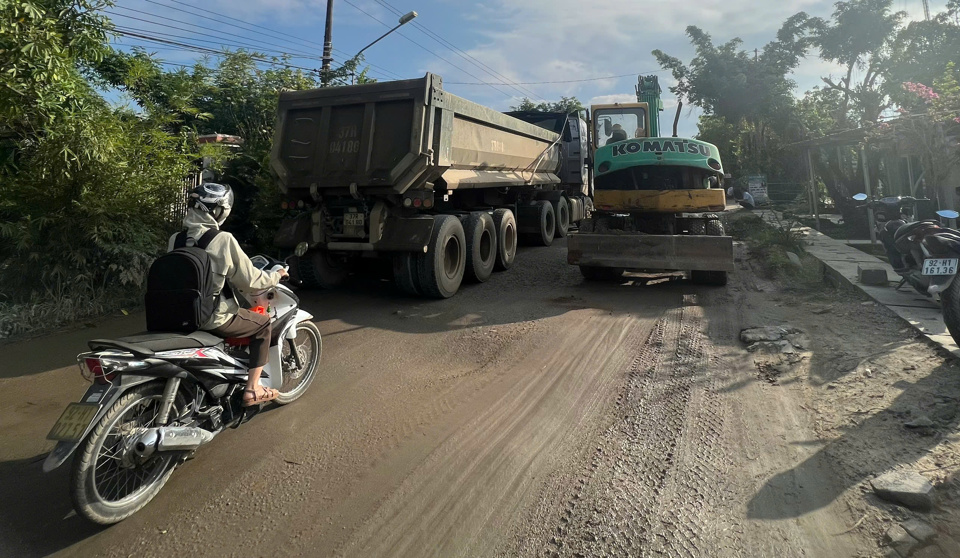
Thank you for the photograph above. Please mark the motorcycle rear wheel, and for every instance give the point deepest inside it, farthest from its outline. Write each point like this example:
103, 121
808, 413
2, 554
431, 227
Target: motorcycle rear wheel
950, 302
103, 490
309, 346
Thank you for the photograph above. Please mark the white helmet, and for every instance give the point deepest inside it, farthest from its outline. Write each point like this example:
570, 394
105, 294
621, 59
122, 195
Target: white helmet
215, 199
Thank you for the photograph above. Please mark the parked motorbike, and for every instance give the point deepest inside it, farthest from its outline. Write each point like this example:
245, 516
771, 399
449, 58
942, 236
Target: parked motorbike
157, 397
924, 253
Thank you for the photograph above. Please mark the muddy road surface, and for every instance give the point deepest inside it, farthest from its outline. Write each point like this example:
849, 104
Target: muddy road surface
533, 415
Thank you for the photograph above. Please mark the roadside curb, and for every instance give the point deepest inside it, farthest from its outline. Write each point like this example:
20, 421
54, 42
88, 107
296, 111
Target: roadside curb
840, 262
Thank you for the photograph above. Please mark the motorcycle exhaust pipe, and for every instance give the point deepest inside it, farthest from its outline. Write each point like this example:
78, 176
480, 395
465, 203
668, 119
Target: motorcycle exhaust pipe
170, 438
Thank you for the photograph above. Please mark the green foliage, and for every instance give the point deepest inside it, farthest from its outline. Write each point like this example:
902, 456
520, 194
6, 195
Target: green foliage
746, 96
565, 104
859, 36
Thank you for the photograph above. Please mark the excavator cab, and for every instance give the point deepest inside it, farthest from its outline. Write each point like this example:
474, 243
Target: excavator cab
619, 122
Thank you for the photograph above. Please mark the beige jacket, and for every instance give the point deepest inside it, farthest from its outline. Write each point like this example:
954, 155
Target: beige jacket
228, 263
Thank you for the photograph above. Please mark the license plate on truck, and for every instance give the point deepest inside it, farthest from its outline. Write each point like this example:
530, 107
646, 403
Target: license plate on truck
943, 266
353, 219
73, 422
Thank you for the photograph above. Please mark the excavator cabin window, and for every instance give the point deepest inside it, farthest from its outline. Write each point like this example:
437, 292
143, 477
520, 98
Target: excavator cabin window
613, 125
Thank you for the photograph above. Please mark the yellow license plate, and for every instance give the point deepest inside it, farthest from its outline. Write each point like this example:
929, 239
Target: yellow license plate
73, 422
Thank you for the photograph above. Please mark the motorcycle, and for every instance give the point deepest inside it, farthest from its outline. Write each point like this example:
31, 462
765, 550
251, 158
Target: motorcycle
157, 397
924, 253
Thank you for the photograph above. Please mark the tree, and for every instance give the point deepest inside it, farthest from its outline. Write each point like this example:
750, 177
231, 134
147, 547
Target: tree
919, 55
746, 97
565, 104
859, 36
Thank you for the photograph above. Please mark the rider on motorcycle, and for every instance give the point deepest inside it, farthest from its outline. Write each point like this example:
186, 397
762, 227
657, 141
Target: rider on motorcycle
209, 206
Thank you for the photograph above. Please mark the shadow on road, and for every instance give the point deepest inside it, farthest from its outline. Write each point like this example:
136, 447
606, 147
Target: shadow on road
803, 488
36, 517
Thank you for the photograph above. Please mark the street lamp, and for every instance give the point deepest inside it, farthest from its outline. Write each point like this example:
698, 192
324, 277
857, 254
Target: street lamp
404, 19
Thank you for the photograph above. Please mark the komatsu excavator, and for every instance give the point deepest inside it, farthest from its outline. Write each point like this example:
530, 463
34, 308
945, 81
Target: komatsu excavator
657, 199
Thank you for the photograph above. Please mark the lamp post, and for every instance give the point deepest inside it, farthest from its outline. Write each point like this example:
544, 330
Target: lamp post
404, 19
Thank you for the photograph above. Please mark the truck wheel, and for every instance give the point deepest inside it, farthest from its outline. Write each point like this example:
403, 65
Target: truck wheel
505, 224
698, 227
406, 273
713, 278
562, 210
546, 224
320, 270
442, 267
591, 273
481, 238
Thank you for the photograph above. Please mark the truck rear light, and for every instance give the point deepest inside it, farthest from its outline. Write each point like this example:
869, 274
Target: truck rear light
417, 202
428, 203
407, 202
284, 205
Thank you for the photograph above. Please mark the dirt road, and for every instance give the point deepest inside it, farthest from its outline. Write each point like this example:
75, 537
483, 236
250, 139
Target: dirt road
534, 415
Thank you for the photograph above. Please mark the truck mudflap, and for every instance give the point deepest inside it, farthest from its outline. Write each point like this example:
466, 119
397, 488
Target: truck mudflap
651, 252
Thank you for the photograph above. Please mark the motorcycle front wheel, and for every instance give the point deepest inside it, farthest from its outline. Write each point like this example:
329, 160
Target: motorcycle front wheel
105, 487
296, 379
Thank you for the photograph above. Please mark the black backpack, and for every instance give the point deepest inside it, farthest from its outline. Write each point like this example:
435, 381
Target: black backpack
180, 288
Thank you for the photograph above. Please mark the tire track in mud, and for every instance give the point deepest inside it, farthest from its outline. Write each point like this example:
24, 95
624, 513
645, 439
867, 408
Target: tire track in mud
652, 487
487, 460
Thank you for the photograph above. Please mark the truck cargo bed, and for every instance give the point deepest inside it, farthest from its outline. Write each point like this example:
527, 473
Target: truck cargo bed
393, 136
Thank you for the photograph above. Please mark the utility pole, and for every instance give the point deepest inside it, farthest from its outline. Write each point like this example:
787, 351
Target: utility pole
327, 45
926, 9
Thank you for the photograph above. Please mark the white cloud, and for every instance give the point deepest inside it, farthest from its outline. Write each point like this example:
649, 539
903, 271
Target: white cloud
615, 98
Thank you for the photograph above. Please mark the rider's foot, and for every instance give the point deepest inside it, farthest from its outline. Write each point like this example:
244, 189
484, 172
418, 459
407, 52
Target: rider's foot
259, 395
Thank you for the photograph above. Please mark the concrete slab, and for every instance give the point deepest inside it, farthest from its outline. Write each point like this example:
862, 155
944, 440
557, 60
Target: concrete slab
841, 262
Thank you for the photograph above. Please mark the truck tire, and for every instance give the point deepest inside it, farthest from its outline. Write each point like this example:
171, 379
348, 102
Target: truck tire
505, 223
591, 273
562, 210
442, 266
406, 274
481, 236
545, 224
712, 278
698, 227
319, 270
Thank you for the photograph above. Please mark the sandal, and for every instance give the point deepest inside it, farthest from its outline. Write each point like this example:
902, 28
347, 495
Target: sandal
266, 395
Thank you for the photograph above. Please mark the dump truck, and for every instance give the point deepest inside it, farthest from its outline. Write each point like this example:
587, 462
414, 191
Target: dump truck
657, 199
442, 187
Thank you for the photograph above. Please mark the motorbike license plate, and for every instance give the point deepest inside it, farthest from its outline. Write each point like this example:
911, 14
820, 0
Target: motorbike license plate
73, 422
943, 266
353, 219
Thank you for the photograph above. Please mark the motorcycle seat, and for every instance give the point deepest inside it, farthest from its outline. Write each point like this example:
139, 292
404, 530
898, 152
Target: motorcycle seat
150, 342
910, 228
942, 244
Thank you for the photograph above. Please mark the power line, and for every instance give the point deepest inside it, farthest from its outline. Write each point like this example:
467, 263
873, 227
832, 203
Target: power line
465, 55
252, 27
560, 81
163, 23
207, 31
371, 16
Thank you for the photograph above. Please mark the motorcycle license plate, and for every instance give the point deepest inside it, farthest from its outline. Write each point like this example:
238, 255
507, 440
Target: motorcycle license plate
353, 219
943, 266
73, 422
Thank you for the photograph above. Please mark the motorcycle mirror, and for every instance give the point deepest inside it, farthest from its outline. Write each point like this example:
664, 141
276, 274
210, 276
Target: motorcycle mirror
860, 197
948, 214
301, 249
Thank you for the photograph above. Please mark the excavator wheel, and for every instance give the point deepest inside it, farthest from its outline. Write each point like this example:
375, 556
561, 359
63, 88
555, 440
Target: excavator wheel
712, 278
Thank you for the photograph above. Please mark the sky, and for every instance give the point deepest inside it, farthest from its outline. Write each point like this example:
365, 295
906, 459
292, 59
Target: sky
493, 52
